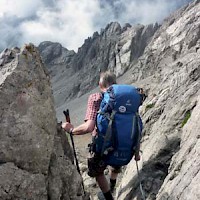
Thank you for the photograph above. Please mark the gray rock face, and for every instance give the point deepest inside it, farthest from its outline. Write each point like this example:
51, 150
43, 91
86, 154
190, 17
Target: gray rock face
55, 55
25, 94
20, 184
64, 182
183, 179
35, 159
114, 48
131, 45
169, 70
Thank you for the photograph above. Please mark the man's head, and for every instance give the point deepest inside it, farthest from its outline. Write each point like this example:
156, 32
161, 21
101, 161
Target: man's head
106, 80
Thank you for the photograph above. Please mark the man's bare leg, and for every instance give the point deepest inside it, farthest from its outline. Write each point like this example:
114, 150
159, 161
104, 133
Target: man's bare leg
105, 187
113, 178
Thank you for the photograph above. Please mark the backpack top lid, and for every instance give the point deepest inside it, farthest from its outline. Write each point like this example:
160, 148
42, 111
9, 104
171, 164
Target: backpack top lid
122, 98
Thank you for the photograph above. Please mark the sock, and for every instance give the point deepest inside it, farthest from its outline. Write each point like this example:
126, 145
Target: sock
112, 184
108, 196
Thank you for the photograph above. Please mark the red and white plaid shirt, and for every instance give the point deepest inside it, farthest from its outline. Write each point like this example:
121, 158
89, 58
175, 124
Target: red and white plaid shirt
93, 105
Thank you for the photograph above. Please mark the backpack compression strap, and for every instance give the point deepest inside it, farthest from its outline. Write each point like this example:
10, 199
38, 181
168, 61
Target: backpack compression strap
108, 136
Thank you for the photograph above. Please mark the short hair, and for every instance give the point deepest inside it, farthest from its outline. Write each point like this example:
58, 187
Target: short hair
107, 79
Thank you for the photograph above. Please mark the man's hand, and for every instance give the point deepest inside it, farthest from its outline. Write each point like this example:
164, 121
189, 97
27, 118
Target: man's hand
137, 156
67, 126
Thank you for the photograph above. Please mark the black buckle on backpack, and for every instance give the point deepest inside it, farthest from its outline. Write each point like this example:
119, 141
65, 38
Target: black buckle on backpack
92, 146
108, 150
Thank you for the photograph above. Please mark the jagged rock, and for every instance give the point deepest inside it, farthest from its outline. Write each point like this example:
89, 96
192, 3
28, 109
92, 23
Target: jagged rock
7, 55
182, 181
131, 45
17, 183
36, 161
63, 179
55, 54
111, 29
125, 27
26, 104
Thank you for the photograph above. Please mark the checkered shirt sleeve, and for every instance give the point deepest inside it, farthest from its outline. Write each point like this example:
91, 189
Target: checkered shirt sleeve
93, 105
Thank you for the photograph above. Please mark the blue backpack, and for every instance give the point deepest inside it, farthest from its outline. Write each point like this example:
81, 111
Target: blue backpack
119, 126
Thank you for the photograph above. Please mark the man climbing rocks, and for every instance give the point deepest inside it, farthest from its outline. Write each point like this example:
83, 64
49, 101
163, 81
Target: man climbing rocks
96, 163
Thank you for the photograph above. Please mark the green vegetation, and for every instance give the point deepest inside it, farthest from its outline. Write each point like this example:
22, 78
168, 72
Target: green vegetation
187, 116
149, 106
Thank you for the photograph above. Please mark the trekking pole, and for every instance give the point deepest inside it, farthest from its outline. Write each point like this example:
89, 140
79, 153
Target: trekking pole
139, 177
66, 113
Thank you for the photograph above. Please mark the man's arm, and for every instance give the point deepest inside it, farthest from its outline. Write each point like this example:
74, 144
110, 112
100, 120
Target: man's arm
90, 118
84, 128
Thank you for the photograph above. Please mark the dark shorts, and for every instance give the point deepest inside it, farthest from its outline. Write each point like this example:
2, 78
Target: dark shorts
96, 166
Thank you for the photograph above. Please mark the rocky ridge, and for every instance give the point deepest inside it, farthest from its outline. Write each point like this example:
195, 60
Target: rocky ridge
114, 48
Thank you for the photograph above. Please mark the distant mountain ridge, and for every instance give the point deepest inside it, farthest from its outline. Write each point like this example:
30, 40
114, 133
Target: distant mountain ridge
73, 74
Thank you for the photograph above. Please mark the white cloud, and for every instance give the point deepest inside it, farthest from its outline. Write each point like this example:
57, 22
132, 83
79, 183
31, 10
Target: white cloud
71, 21
19, 8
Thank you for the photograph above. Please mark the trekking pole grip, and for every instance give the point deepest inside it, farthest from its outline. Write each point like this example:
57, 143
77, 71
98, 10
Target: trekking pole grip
67, 117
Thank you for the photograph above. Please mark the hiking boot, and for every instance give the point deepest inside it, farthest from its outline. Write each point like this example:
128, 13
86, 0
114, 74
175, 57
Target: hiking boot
100, 196
105, 196
112, 185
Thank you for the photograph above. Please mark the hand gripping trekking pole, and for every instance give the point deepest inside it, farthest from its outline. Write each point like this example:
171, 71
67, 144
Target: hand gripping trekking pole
66, 113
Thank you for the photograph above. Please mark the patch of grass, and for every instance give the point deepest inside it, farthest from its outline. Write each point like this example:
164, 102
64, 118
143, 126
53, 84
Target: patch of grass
187, 116
149, 106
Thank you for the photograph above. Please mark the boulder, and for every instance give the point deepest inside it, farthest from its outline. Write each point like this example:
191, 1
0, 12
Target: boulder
28, 122
36, 160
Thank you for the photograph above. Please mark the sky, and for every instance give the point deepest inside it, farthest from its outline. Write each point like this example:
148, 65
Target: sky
70, 22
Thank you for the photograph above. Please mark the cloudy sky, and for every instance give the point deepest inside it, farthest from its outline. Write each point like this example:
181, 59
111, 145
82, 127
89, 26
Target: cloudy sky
71, 21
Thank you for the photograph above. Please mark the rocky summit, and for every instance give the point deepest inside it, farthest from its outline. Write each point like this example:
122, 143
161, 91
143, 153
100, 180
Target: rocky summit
36, 161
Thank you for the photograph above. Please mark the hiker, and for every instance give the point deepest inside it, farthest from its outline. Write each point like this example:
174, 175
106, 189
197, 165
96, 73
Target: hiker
96, 164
